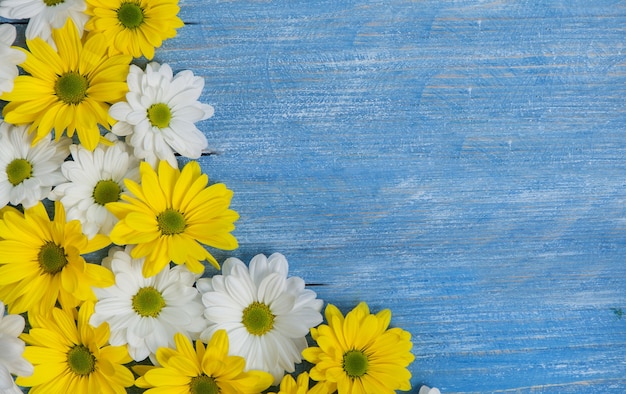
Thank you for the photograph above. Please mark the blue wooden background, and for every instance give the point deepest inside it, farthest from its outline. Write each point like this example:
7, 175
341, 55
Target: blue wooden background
462, 163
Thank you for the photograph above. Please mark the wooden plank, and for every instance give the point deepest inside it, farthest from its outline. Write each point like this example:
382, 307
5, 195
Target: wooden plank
459, 163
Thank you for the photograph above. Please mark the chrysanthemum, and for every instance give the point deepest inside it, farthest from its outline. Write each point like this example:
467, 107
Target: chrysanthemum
11, 350
134, 27
69, 90
290, 386
203, 370
145, 313
159, 114
359, 353
95, 179
10, 56
72, 356
45, 15
41, 262
28, 171
171, 214
267, 315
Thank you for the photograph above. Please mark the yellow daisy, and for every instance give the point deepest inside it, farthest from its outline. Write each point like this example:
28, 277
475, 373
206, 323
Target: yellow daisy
72, 356
170, 214
301, 386
41, 262
203, 370
359, 353
70, 89
134, 27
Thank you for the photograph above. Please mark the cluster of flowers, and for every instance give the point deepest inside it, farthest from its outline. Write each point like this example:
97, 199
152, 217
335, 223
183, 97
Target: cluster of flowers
144, 315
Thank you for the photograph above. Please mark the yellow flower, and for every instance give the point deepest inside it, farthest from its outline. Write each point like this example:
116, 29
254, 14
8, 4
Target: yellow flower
170, 214
359, 353
290, 386
205, 370
41, 262
72, 357
71, 89
134, 27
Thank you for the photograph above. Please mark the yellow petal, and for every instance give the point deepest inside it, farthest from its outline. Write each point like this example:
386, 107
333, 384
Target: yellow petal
168, 177
153, 192
92, 54
36, 67
66, 324
184, 346
68, 45
43, 373
42, 50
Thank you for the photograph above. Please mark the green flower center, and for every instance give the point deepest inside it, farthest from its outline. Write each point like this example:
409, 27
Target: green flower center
52, 258
52, 3
130, 14
80, 360
106, 191
355, 363
18, 170
258, 318
203, 384
71, 88
159, 115
148, 302
171, 222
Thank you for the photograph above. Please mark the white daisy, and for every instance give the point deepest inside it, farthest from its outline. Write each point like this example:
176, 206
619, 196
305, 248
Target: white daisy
267, 315
45, 15
27, 172
11, 350
11, 57
428, 390
158, 116
145, 313
95, 179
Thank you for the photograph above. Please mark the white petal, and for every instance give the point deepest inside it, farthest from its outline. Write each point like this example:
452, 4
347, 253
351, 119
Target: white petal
278, 263
6, 381
7, 33
259, 268
12, 325
270, 288
119, 111
175, 316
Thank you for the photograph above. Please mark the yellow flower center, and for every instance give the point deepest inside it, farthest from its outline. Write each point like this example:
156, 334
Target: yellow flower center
130, 14
71, 88
106, 191
355, 363
18, 170
52, 258
171, 222
159, 115
52, 3
258, 318
148, 302
203, 384
80, 360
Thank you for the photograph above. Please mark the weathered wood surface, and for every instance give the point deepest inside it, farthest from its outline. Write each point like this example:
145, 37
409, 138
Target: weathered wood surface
462, 163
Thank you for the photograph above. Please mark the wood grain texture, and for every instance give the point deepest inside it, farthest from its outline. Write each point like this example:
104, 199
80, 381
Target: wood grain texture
462, 163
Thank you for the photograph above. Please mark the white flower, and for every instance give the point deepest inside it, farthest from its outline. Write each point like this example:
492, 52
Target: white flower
145, 313
266, 315
428, 390
28, 172
158, 116
11, 350
44, 17
11, 57
95, 178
